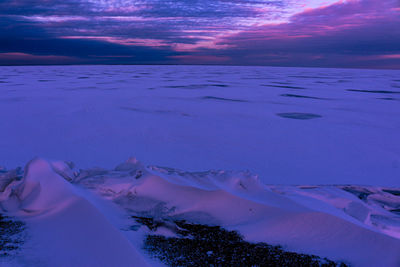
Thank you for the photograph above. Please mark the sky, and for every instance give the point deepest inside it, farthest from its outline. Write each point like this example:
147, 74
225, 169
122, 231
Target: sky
316, 33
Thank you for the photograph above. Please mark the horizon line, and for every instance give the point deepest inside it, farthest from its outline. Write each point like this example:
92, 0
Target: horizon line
206, 64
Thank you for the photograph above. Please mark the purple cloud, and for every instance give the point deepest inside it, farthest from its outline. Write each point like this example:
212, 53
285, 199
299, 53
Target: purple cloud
257, 32
345, 34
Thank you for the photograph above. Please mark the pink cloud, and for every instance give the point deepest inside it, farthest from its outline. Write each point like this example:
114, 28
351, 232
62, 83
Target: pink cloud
122, 41
23, 58
325, 20
395, 56
340, 34
201, 59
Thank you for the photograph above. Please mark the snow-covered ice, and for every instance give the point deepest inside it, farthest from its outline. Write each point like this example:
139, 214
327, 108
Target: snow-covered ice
289, 125
308, 159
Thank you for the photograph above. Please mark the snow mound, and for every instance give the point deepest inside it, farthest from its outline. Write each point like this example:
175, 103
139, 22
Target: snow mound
65, 229
328, 221
40, 189
73, 215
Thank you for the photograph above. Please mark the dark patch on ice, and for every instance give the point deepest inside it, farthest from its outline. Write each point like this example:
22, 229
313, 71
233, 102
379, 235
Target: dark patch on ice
134, 227
45, 81
311, 77
195, 86
173, 171
218, 73
361, 193
374, 91
395, 85
150, 222
160, 111
198, 217
83, 77
257, 78
223, 99
173, 112
10, 235
214, 81
392, 191
395, 211
88, 173
282, 83
387, 98
308, 187
299, 116
203, 245
104, 83
283, 86
302, 96
384, 221
3, 81
81, 88
219, 85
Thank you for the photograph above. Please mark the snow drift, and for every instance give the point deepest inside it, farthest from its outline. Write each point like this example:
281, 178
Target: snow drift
83, 217
64, 228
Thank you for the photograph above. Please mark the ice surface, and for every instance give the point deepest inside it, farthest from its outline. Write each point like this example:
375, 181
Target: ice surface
289, 125
86, 217
313, 127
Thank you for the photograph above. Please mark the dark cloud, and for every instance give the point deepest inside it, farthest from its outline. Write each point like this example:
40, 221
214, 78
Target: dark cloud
42, 7
147, 8
353, 33
18, 36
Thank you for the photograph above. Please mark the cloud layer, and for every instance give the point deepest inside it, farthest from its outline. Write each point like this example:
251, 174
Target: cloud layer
354, 33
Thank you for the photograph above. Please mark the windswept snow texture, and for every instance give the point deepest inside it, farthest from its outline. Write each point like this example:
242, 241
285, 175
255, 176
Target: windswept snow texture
64, 227
289, 125
100, 217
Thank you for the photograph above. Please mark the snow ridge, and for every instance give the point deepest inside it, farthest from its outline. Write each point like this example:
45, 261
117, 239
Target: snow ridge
74, 214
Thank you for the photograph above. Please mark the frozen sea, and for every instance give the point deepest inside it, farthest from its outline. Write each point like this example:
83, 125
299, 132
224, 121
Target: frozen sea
289, 125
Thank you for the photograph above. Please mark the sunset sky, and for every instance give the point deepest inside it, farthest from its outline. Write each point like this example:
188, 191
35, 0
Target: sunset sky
353, 33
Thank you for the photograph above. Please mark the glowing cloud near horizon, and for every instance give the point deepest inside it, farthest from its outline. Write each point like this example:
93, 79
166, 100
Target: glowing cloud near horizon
192, 29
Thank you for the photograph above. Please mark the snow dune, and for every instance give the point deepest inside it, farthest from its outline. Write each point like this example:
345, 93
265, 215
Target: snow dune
65, 229
84, 217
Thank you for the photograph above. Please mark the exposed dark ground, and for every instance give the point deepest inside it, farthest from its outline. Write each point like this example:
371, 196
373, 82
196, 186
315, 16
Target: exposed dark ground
203, 245
10, 235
